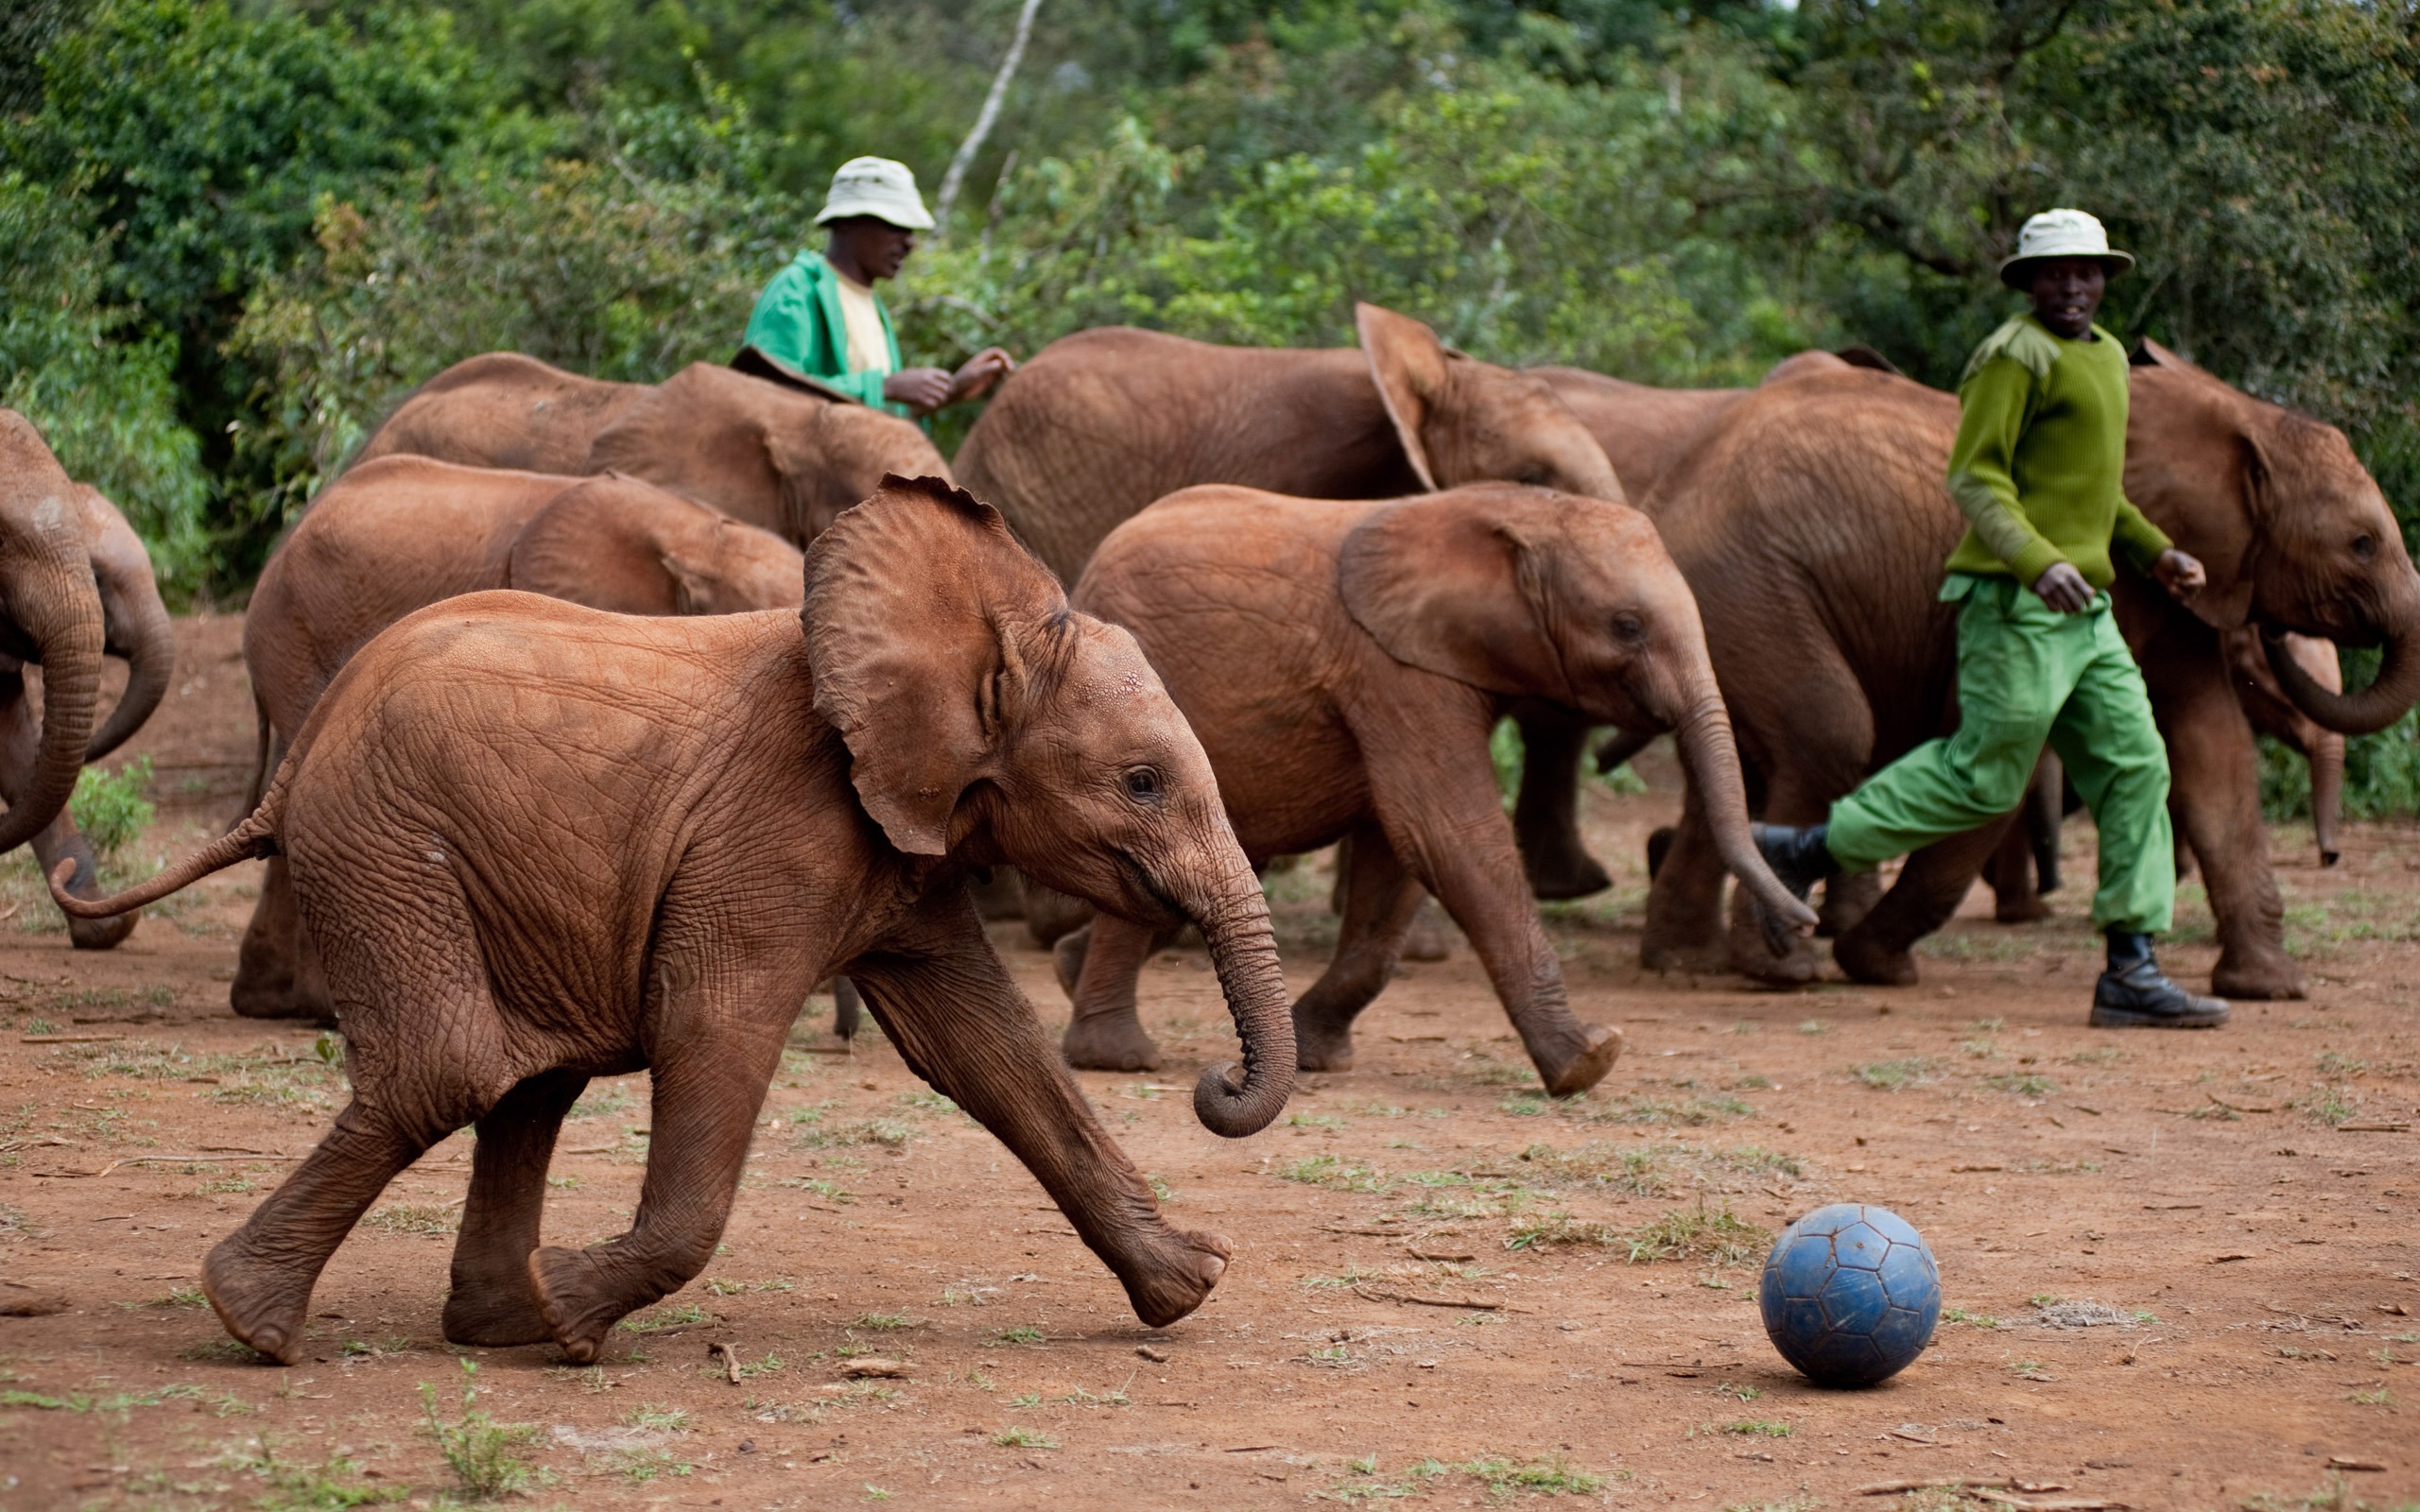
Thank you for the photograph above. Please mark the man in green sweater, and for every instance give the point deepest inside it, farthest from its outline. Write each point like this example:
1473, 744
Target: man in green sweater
2038, 468
820, 319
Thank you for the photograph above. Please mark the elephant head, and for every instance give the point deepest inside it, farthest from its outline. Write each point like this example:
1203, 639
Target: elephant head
1462, 421
981, 712
616, 543
777, 458
2293, 530
134, 620
50, 612
1536, 594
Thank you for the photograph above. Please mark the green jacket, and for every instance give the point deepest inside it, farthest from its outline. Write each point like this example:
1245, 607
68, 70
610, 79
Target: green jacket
798, 323
2039, 468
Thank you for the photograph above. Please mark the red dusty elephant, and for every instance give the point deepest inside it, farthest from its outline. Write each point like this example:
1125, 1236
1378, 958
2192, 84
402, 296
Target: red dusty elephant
538, 844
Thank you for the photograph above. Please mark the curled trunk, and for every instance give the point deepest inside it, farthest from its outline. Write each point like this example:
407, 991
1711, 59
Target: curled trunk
1229, 1100
1711, 756
136, 624
53, 600
2328, 795
2365, 711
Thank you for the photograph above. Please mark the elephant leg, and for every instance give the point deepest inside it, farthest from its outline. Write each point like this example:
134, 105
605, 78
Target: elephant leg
2010, 870
847, 1008
58, 841
1105, 1032
278, 971
2044, 815
1051, 916
1380, 902
489, 1301
1931, 884
709, 1082
1684, 929
1425, 938
2213, 793
1847, 898
960, 1023
998, 892
1545, 816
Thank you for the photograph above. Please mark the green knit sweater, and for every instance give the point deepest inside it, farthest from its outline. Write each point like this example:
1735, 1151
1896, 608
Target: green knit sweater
2039, 469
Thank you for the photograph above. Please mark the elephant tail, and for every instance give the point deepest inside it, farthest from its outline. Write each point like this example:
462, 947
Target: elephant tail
253, 838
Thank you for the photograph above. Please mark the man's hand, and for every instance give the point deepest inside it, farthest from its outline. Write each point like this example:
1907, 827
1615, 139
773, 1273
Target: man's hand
2063, 589
922, 389
2181, 574
981, 370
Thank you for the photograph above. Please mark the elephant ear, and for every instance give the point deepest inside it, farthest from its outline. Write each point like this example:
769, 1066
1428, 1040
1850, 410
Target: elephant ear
1408, 362
914, 600
1455, 584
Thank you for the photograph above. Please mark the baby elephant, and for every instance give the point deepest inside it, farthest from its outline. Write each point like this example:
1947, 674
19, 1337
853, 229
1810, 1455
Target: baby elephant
1343, 664
540, 844
399, 533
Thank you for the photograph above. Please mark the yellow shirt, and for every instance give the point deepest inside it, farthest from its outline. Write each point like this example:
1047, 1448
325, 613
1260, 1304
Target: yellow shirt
868, 351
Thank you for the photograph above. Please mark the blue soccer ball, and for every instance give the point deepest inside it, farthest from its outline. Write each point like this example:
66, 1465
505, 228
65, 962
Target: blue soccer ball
1850, 1294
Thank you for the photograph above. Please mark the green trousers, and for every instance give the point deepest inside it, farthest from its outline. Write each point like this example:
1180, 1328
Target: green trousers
2030, 676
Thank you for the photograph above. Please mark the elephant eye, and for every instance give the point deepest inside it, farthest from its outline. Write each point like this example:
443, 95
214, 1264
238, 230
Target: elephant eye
1143, 784
2365, 546
1628, 629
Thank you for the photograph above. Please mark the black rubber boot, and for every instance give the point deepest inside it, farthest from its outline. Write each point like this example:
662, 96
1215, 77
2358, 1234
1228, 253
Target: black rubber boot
1799, 858
2133, 993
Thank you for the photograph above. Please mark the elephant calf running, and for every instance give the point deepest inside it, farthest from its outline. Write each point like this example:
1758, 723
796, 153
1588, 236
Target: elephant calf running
1343, 664
540, 844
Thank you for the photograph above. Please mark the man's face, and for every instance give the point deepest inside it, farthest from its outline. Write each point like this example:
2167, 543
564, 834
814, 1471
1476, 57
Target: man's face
875, 246
2066, 294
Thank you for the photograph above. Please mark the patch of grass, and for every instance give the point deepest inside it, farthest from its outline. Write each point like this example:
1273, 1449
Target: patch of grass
1536, 1477
1024, 1438
665, 1317
604, 1103
489, 1459
888, 1132
218, 1349
1973, 1320
2023, 1086
2328, 1106
405, 1218
1023, 1334
1160, 1190
182, 1297
1897, 1075
659, 1417
1313, 1121
640, 1465
332, 1486
1757, 1427
2378, 1397
883, 1322
1745, 1393
1712, 1233
2335, 1066
1335, 1173
2094, 1055
1814, 1026
926, 1100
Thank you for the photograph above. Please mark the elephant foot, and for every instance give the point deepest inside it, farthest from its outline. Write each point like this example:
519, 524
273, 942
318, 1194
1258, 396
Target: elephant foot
2020, 908
258, 1306
101, 934
1583, 1064
1427, 939
1873, 961
1177, 1278
1068, 959
2261, 977
1322, 1044
579, 1310
1699, 957
258, 995
1566, 873
495, 1313
1750, 959
1112, 1040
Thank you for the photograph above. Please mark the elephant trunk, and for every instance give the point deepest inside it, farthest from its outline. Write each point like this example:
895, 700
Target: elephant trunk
2328, 794
1711, 756
136, 622
2367, 710
1234, 916
53, 598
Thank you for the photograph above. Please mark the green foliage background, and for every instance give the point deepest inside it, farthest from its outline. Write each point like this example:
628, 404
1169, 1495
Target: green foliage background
234, 232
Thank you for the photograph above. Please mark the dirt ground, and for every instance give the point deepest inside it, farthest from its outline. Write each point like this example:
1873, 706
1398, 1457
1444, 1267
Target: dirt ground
2179, 1269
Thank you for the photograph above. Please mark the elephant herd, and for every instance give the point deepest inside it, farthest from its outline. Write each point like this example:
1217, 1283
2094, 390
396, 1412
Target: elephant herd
552, 786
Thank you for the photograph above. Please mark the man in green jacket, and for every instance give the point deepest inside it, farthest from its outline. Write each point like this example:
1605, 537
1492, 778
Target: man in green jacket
2038, 468
820, 317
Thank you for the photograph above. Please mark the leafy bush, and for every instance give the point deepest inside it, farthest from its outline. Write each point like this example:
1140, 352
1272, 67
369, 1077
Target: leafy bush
110, 809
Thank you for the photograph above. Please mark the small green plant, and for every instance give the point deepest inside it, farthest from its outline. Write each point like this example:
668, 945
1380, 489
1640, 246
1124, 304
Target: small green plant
1539, 1477
489, 1459
1023, 1334
1897, 1075
1973, 1320
882, 1322
1313, 1121
2023, 1086
665, 1317
1757, 1427
657, 1416
2378, 1397
640, 1465
109, 808
406, 1218
2329, 1106
1160, 1190
183, 1296
333, 1486
1814, 1026
1335, 1173
1023, 1439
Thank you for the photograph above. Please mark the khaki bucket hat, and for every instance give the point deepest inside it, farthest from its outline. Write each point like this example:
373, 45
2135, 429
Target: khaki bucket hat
876, 187
2063, 234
